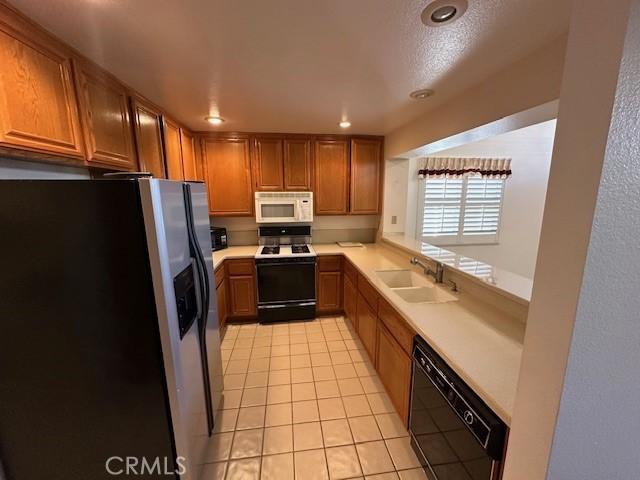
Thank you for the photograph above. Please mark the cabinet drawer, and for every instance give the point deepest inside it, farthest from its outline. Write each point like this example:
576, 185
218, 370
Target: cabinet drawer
219, 274
396, 325
330, 264
240, 267
351, 272
368, 292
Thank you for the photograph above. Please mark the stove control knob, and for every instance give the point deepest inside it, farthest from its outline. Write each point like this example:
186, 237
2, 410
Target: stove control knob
468, 417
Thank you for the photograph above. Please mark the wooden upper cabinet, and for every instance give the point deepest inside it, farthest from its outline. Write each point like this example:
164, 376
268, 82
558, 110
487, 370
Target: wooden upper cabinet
268, 164
172, 149
105, 115
331, 177
297, 165
190, 165
38, 109
147, 122
228, 175
366, 164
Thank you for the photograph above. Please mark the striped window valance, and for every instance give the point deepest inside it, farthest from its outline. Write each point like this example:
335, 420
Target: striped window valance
456, 167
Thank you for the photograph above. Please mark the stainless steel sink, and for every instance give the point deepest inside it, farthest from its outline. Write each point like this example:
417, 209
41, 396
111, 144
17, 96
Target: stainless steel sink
425, 295
399, 278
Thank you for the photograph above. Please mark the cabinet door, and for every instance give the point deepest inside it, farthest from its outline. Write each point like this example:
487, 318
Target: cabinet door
394, 368
173, 150
242, 296
228, 176
297, 165
366, 167
268, 164
350, 301
147, 122
221, 296
329, 292
331, 177
38, 109
107, 126
189, 160
367, 326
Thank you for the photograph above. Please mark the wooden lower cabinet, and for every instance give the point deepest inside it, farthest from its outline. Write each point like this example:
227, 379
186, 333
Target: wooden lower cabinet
394, 369
221, 296
329, 292
350, 300
329, 284
367, 324
242, 296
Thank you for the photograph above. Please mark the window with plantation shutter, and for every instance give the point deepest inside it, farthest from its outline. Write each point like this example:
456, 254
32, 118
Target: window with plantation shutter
462, 210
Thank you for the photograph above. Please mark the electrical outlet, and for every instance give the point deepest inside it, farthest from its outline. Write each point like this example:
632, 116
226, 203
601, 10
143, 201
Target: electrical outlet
394, 219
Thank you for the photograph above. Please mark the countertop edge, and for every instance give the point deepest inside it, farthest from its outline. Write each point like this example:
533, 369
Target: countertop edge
331, 249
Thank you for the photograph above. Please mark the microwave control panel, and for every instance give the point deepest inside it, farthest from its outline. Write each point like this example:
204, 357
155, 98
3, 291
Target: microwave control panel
306, 210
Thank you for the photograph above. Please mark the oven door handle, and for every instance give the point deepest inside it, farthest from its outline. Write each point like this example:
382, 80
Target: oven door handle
287, 305
276, 264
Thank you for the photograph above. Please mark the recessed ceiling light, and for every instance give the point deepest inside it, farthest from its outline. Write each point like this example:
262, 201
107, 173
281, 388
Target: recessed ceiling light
443, 12
420, 94
214, 120
344, 124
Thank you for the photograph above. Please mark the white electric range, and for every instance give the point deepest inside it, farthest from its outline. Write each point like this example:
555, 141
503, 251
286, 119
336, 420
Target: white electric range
286, 267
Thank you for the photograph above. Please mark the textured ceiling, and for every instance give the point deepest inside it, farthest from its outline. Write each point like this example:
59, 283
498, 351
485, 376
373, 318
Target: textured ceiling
297, 65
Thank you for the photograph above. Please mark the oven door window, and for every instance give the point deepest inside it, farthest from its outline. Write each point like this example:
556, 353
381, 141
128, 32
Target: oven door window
451, 451
277, 210
282, 282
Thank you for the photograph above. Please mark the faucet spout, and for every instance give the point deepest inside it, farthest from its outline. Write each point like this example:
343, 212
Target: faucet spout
437, 275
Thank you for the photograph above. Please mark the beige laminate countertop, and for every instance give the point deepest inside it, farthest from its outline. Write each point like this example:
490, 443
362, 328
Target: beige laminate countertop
481, 343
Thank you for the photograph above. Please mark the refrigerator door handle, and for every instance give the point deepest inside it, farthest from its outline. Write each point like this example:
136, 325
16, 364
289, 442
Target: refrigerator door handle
205, 296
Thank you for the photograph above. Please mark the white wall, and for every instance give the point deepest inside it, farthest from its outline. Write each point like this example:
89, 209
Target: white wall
21, 169
530, 149
591, 313
396, 179
601, 382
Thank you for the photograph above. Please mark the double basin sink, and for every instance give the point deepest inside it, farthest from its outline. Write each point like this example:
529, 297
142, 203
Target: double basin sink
414, 288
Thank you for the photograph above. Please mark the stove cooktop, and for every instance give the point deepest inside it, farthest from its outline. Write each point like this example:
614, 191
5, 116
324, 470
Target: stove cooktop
269, 251
299, 249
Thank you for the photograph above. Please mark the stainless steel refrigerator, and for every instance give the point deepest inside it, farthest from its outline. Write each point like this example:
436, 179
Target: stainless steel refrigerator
109, 341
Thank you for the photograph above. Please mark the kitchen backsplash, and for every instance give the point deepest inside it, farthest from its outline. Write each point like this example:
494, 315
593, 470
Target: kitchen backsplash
326, 229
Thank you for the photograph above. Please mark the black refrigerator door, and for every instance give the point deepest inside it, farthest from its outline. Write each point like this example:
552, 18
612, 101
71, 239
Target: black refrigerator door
81, 368
205, 295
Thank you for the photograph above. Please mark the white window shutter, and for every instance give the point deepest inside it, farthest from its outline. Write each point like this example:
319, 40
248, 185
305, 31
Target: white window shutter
442, 207
482, 206
462, 210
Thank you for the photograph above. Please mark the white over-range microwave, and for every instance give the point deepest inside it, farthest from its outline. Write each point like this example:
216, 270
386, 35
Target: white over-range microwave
284, 207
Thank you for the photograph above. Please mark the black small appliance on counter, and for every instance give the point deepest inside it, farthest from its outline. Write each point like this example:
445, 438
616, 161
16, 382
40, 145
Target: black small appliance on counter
218, 238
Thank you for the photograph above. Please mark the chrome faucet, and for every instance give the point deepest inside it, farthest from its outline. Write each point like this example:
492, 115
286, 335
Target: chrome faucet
437, 275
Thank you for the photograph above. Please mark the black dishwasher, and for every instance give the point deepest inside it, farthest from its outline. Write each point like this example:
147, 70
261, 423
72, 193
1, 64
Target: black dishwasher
453, 432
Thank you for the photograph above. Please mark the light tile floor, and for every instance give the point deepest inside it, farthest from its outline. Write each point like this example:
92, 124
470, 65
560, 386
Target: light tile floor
303, 401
